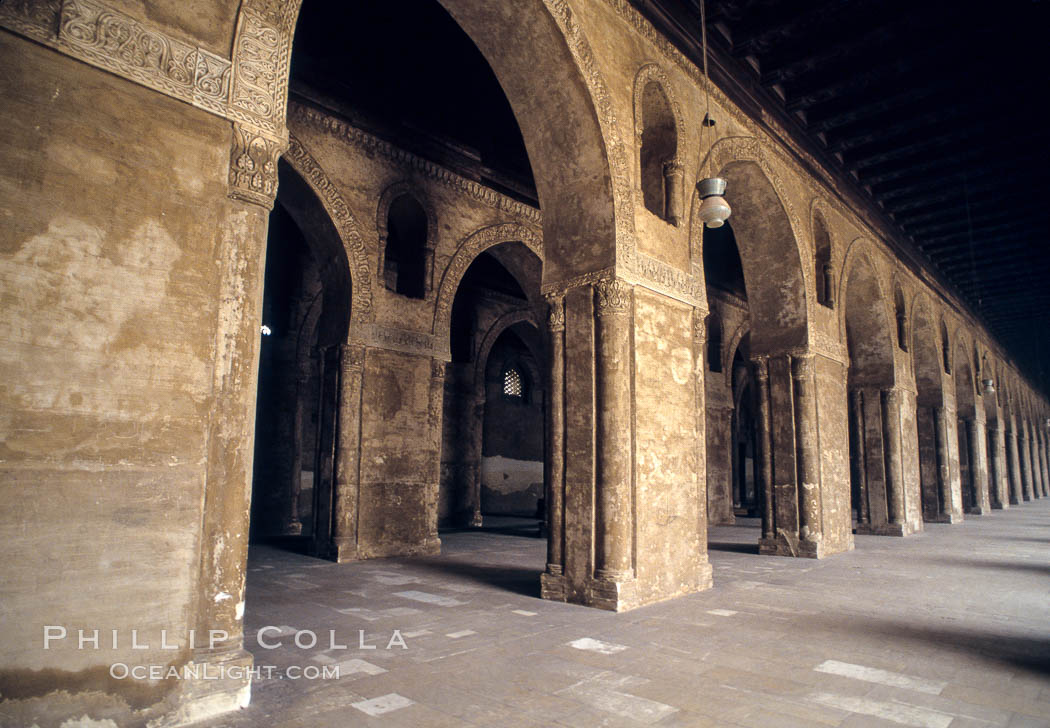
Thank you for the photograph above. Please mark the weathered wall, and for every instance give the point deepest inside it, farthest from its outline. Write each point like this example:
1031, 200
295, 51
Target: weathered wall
114, 224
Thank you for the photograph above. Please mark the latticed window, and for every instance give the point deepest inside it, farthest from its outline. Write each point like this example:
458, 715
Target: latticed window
512, 383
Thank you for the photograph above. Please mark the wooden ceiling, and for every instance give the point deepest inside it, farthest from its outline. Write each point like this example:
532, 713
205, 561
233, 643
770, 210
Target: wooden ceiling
930, 113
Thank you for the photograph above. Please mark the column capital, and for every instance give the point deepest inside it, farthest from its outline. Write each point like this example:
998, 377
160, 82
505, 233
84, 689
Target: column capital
760, 368
801, 366
352, 357
555, 312
613, 297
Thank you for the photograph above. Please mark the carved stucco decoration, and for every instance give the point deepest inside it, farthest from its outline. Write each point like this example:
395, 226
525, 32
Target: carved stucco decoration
612, 297
475, 244
251, 88
361, 309
253, 166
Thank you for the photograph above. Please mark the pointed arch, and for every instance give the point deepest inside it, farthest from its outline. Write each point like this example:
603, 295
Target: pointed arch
767, 233
472, 246
866, 318
300, 160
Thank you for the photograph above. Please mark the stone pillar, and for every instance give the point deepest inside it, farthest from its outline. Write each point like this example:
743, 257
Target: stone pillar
891, 432
857, 460
613, 522
996, 490
764, 441
552, 582
807, 446
293, 525
1025, 461
944, 475
477, 421
1013, 467
435, 410
700, 399
348, 454
1045, 466
978, 465
1037, 466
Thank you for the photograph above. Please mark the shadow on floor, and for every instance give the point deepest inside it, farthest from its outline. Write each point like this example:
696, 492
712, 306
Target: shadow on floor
1030, 653
523, 581
739, 548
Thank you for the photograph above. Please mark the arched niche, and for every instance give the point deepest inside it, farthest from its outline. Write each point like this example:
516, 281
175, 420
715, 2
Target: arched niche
658, 129
407, 226
900, 312
823, 271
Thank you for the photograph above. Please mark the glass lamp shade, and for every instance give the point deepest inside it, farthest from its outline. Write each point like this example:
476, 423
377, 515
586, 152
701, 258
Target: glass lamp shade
714, 211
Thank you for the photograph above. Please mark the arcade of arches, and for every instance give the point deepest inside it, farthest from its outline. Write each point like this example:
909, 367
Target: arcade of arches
447, 339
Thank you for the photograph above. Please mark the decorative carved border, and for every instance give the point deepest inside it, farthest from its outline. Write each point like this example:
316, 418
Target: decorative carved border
361, 309
623, 199
402, 340
475, 244
321, 121
252, 88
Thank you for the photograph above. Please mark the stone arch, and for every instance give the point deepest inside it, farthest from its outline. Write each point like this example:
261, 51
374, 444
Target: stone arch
476, 243
767, 232
732, 344
866, 319
504, 322
651, 76
299, 159
926, 353
386, 199
964, 377
545, 65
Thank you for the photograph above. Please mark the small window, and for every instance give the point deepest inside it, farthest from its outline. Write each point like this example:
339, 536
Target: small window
512, 383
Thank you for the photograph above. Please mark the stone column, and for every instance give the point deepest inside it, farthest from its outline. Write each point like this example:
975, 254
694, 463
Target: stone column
476, 404
700, 399
613, 527
293, 526
1013, 467
891, 432
857, 460
348, 454
1025, 461
1037, 465
555, 474
944, 474
807, 448
996, 490
979, 466
1045, 469
673, 191
764, 441
435, 410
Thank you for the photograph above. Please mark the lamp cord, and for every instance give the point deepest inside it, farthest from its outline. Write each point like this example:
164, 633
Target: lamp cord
707, 79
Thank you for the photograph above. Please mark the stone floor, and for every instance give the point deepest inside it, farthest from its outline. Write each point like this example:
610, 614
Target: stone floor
947, 628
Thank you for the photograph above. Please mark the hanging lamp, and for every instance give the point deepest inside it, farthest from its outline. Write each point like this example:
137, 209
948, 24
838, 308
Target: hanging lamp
714, 210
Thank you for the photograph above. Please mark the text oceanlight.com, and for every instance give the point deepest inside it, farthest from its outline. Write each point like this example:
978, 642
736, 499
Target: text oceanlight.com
194, 671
